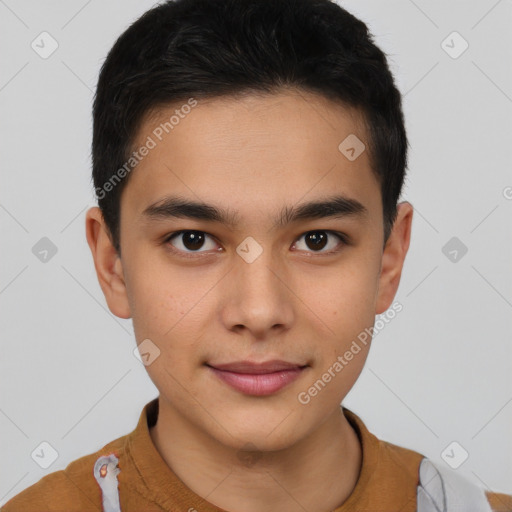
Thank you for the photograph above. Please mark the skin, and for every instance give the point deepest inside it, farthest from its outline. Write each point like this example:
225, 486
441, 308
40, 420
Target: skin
254, 155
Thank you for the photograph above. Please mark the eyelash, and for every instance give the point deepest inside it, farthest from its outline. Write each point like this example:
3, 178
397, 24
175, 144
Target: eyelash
344, 239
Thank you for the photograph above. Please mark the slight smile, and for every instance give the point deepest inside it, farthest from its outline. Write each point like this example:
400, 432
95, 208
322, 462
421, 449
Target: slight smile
258, 379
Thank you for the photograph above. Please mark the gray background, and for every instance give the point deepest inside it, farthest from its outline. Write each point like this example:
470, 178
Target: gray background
439, 372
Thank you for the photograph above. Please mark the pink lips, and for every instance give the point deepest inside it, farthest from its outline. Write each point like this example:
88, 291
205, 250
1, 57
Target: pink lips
257, 378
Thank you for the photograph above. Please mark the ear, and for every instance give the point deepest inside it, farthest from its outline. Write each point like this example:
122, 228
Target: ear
393, 257
107, 262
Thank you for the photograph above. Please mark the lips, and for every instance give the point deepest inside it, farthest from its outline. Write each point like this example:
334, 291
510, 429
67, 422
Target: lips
257, 379
254, 368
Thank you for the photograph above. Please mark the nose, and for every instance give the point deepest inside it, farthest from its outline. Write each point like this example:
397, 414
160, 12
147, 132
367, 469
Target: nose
258, 297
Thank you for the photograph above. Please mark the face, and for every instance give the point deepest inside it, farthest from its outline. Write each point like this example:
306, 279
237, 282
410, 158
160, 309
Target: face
258, 276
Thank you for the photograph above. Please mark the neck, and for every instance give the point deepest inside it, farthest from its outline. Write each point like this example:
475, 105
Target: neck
316, 474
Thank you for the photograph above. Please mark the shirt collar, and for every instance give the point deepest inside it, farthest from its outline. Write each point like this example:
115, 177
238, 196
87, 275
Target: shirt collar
158, 483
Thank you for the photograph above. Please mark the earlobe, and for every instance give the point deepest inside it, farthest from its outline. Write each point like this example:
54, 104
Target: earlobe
108, 264
393, 257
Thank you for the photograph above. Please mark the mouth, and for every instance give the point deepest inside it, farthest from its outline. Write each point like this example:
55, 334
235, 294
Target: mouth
258, 379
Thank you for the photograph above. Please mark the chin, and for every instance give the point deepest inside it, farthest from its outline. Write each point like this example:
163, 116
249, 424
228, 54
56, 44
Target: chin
268, 430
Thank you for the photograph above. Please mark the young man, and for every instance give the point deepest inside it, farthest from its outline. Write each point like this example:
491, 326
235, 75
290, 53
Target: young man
248, 156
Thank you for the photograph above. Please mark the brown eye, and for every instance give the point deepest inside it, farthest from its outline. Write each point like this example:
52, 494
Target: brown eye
315, 241
190, 241
193, 240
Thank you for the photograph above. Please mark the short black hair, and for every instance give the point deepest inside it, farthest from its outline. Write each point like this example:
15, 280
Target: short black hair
213, 48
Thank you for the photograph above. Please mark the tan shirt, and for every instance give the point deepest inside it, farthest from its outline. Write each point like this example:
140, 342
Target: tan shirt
387, 481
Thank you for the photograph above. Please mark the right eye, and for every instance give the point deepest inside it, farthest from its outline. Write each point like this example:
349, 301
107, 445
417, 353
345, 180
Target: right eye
188, 242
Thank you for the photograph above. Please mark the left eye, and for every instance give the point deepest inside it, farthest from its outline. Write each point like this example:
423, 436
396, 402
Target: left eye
317, 240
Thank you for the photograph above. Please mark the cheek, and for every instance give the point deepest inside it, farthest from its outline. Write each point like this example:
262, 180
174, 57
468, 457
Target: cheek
156, 290
343, 297
167, 308
154, 300
344, 303
155, 308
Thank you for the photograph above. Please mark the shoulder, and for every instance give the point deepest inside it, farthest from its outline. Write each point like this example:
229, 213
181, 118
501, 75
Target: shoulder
499, 502
73, 489
432, 486
55, 492
405, 461
446, 489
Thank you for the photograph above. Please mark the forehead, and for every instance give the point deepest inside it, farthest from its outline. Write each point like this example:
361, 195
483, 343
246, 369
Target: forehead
256, 151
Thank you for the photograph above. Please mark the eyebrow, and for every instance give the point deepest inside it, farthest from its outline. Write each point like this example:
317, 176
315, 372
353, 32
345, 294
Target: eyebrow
170, 207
